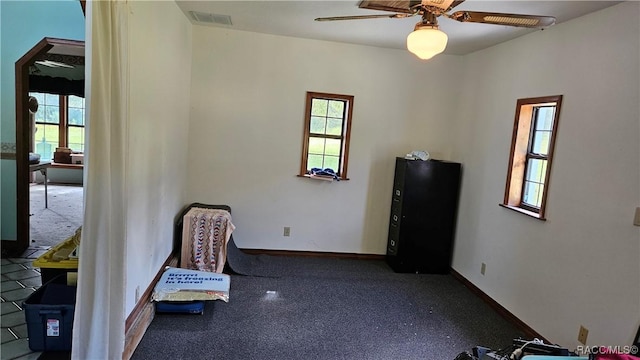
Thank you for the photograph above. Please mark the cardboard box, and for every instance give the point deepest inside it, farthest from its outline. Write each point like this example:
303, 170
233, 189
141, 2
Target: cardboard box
62, 157
77, 159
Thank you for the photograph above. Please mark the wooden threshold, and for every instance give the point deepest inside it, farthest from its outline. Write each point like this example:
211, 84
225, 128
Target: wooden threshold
143, 313
501, 310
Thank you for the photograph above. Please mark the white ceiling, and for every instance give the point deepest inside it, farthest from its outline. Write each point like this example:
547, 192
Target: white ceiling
296, 18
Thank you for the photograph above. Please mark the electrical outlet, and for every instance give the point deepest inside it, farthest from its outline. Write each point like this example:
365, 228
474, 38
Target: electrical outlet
483, 268
582, 335
287, 231
137, 293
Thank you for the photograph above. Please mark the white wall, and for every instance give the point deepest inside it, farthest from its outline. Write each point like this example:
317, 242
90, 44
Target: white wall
160, 68
581, 266
245, 136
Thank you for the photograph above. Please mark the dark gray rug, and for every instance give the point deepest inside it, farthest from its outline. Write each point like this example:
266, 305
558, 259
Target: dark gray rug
263, 265
321, 308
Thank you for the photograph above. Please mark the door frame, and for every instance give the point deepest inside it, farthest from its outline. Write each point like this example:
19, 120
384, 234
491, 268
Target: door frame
23, 132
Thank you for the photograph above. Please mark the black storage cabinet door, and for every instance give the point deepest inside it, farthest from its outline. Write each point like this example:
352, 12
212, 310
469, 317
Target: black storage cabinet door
423, 216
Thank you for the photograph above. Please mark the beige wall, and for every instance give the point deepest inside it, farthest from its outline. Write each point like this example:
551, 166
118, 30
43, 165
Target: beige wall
581, 266
245, 137
160, 54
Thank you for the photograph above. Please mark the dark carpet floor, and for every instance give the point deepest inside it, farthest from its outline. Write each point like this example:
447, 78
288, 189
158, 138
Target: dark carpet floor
320, 308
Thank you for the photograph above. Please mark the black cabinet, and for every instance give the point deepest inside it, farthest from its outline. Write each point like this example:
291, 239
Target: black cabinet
423, 216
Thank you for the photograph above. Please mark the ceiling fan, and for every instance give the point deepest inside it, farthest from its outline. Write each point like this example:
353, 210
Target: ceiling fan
427, 40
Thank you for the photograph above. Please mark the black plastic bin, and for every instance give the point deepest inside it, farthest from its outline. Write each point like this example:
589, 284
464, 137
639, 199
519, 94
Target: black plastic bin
49, 315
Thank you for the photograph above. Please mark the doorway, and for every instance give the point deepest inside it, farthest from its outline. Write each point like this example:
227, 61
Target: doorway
56, 52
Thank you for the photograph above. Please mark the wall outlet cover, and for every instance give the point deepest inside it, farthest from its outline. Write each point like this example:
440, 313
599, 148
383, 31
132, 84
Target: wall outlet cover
583, 333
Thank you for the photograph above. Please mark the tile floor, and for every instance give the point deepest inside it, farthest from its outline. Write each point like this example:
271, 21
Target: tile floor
19, 280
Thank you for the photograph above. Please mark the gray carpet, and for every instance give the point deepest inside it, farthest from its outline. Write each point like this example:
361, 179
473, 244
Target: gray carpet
321, 308
52, 225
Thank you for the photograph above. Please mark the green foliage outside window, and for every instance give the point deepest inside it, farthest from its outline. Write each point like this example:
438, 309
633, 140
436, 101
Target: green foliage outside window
48, 120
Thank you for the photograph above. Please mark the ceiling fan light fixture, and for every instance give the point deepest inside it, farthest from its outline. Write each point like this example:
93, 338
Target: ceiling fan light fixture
426, 41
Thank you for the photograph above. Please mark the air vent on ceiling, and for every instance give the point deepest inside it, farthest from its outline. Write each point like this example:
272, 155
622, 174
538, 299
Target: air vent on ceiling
211, 18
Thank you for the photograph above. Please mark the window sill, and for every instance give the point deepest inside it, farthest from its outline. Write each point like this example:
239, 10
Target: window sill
523, 211
320, 177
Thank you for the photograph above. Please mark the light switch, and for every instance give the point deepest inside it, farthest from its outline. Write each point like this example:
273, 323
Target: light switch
636, 219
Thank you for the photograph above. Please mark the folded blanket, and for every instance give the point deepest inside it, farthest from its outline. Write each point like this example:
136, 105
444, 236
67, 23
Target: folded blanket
205, 234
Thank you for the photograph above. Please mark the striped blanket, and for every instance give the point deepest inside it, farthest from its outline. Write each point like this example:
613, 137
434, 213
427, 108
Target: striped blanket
205, 233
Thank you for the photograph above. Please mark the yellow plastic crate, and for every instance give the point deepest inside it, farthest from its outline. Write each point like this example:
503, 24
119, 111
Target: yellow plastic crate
59, 259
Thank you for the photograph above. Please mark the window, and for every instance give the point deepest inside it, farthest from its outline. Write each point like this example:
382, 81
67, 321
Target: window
534, 133
326, 133
59, 123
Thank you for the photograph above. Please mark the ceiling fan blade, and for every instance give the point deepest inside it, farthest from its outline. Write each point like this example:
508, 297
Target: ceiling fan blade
361, 17
400, 6
455, 4
440, 5
527, 21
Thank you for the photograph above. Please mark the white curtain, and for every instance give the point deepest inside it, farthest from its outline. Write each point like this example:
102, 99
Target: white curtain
99, 324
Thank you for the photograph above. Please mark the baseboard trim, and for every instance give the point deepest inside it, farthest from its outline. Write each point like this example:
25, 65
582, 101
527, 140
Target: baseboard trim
314, 254
501, 310
143, 313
